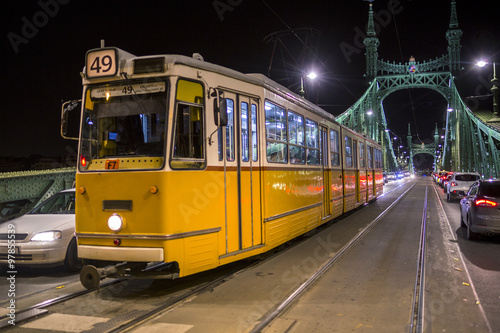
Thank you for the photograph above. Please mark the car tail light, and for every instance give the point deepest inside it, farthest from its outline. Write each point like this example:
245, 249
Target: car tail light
453, 184
485, 203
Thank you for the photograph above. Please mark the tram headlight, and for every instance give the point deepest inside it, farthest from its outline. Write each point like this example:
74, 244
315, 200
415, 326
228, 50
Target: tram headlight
116, 222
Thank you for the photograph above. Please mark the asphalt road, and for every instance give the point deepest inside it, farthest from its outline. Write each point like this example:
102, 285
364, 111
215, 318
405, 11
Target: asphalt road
368, 290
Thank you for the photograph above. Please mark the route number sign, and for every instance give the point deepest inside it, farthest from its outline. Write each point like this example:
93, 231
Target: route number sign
101, 63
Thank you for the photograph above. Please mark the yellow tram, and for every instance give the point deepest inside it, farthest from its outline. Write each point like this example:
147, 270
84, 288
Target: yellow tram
185, 162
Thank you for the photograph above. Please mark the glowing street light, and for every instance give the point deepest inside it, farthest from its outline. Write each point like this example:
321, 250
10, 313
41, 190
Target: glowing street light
494, 91
311, 76
481, 63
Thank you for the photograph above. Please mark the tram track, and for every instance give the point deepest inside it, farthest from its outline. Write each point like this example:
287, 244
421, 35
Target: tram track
139, 318
417, 314
40, 308
135, 317
298, 292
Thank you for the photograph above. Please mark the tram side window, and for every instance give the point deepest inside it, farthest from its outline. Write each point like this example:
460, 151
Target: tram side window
188, 141
334, 148
355, 153
188, 132
254, 133
370, 157
276, 133
378, 159
362, 155
348, 151
230, 142
245, 139
297, 138
312, 138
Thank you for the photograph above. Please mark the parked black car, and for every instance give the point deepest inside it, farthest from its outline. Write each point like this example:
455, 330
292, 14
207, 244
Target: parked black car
480, 209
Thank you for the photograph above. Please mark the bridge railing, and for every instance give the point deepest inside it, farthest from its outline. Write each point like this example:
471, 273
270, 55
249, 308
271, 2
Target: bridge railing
23, 190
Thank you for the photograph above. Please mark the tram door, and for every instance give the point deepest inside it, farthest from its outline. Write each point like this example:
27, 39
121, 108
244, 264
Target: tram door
242, 174
325, 171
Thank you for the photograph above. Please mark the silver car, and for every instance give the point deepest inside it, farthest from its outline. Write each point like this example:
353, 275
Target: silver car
44, 236
480, 209
459, 184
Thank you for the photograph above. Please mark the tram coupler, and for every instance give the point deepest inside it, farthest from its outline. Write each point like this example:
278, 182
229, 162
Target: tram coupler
91, 276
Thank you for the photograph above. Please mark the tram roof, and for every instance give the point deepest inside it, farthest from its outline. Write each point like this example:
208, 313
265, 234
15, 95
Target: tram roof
197, 61
253, 78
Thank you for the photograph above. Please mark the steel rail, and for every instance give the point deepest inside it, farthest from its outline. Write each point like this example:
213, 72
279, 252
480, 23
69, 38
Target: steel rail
294, 295
39, 308
418, 305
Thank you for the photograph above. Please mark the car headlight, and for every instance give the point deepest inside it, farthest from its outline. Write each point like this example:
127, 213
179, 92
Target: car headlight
115, 222
47, 236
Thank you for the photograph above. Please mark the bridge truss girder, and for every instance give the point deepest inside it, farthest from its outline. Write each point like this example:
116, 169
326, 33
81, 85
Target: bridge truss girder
375, 125
473, 146
31, 186
470, 144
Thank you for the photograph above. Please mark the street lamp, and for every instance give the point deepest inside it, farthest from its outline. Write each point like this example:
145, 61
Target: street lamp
494, 91
311, 76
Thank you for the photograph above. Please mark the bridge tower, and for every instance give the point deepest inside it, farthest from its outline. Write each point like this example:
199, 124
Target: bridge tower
431, 149
367, 114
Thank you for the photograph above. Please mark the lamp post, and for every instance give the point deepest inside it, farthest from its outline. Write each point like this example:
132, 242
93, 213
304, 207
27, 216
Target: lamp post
311, 76
494, 91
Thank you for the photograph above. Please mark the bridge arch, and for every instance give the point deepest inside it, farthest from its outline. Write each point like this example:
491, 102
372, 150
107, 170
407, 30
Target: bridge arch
470, 142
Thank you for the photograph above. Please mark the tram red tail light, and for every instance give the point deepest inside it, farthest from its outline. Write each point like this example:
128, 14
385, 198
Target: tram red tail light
485, 203
83, 161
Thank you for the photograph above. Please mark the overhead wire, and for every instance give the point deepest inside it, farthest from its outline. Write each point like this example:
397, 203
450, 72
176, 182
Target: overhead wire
309, 49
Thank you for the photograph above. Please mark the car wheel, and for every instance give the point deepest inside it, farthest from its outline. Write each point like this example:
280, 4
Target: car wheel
72, 262
471, 235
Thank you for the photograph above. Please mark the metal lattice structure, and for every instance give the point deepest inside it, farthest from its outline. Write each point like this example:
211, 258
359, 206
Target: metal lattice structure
21, 191
471, 143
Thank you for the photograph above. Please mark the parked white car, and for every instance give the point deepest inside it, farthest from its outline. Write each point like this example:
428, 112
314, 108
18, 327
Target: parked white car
44, 236
459, 184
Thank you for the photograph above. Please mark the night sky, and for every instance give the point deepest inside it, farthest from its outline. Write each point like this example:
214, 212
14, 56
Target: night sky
44, 44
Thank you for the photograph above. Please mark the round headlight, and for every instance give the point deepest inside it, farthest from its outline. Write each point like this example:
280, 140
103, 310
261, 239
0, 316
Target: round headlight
115, 222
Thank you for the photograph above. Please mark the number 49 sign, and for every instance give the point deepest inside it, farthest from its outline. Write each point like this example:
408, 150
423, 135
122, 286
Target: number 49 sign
101, 62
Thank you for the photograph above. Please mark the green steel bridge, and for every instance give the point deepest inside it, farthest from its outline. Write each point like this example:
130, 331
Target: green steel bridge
21, 191
471, 140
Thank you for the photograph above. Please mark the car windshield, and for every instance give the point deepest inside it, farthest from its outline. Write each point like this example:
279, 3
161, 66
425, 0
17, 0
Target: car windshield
467, 178
60, 203
491, 189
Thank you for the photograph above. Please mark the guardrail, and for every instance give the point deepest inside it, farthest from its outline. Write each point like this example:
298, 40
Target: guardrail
23, 190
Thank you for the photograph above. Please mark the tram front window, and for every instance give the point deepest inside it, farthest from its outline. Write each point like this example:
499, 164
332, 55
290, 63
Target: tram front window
123, 127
